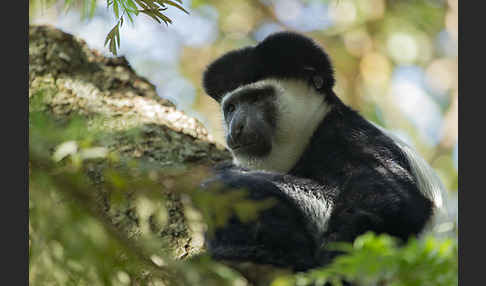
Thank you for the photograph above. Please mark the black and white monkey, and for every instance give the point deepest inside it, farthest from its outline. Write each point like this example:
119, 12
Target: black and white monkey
334, 174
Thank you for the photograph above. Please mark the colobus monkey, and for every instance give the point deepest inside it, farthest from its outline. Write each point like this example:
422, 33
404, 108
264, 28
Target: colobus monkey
333, 174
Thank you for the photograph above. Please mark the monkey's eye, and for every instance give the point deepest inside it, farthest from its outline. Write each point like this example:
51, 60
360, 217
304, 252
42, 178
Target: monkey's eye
230, 108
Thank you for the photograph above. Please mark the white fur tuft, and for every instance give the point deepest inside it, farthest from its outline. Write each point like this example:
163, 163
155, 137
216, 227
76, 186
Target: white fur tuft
429, 184
318, 210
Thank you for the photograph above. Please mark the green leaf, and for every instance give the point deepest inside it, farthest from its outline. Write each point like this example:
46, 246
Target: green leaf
151, 14
142, 4
67, 5
164, 18
118, 33
112, 38
132, 5
130, 17
172, 3
115, 9
92, 8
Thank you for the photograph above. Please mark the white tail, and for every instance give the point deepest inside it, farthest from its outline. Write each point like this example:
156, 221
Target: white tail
429, 184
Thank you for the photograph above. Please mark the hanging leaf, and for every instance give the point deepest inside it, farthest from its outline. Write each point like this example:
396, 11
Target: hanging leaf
153, 8
115, 9
172, 3
112, 38
92, 8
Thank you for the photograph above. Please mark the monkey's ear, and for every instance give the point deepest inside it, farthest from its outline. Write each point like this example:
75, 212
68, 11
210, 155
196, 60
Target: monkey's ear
318, 81
315, 78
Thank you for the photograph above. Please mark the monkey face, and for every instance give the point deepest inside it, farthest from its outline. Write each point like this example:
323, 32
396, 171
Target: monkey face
250, 120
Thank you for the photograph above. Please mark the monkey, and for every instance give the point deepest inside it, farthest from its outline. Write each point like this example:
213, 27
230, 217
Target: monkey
333, 174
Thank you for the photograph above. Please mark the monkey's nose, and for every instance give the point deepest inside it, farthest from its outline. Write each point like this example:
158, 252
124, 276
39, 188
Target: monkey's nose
236, 136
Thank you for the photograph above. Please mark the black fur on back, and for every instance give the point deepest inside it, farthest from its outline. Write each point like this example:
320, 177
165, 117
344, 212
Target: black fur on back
283, 55
371, 173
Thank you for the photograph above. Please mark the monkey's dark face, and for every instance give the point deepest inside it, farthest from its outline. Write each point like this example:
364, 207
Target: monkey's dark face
272, 96
268, 123
250, 120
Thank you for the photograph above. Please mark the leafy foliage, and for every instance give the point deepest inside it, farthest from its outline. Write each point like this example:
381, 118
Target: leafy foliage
379, 260
121, 9
130, 8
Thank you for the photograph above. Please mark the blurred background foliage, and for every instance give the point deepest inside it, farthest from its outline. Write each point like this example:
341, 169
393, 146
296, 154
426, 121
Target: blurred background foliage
395, 61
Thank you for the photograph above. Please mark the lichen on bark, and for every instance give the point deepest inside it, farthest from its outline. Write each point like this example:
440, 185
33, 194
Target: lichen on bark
113, 98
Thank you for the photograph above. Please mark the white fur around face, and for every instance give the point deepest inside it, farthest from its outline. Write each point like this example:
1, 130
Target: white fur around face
300, 110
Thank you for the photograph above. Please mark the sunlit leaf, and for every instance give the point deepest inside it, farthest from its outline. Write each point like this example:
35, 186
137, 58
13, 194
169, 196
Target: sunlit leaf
115, 9
172, 3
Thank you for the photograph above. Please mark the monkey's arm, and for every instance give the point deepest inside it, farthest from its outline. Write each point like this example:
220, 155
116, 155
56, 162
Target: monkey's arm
309, 215
288, 233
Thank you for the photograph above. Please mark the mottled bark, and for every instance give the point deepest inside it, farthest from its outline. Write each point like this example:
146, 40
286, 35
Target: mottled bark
76, 79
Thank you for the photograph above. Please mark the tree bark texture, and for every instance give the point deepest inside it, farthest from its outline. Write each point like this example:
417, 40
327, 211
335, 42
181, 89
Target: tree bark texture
79, 80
